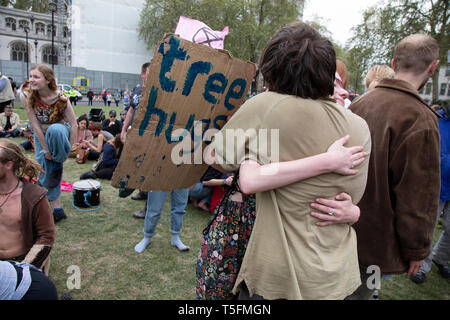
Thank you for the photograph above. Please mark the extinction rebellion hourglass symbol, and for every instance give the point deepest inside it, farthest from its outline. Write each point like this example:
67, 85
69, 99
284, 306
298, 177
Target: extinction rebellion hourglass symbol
206, 36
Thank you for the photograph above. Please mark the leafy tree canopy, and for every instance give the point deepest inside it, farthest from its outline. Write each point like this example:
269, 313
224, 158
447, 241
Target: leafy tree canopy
251, 22
28, 5
386, 23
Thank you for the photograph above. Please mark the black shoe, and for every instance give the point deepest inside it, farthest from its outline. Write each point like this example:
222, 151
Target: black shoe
55, 177
88, 175
419, 277
58, 215
141, 195
444, 270
125, 192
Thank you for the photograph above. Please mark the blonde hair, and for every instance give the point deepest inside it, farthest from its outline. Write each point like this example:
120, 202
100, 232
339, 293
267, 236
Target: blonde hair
376, 73
49, 75
22, 165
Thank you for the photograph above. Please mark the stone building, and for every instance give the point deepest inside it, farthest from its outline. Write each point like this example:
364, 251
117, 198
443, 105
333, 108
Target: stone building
15, 24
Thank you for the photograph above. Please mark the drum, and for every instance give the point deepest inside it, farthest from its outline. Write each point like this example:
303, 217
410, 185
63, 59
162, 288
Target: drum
86, 193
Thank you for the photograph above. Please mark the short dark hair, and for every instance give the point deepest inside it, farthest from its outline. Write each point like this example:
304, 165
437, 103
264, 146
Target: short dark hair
144, 67
112, 113
415, 53
85, 118
299, 61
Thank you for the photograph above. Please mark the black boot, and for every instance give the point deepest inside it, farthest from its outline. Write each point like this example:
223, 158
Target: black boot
58, 214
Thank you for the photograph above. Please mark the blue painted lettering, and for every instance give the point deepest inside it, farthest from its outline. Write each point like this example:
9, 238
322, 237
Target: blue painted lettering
211, 86
152, 110
169, 129
169, 57
196, 68
239, 82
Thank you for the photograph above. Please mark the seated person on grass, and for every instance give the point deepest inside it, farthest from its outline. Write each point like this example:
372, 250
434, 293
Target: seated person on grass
9, 122
27, 230
200, 195
112, 150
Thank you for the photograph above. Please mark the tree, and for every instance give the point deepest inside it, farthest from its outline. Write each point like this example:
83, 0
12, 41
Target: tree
251, 22
28, 5
388, 22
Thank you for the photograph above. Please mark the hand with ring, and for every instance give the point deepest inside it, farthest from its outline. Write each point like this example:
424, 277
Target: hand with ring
341, 210
345, 159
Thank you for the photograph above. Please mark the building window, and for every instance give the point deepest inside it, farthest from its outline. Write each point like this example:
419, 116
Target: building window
443, 87
40, 28
49, 31
448, 91
23, 24
65, 32
19, 52
47, 55
447, 72
10, 23
428, 88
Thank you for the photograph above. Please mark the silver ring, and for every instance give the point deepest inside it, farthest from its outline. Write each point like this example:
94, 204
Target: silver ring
331, 213
352, 165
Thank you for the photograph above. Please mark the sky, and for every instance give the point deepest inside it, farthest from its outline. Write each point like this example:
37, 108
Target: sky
338, 16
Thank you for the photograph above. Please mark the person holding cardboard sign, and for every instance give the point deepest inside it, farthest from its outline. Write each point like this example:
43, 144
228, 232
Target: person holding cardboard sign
155, 203
131, 108
289, 255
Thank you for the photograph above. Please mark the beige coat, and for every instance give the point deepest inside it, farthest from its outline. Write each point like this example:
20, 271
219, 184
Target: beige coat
14, 120
288, 256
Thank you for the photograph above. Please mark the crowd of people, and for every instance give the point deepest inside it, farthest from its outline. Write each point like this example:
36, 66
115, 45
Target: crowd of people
359, 182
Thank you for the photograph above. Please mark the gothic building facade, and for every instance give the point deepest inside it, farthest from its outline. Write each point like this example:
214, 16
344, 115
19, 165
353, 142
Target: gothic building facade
28, 36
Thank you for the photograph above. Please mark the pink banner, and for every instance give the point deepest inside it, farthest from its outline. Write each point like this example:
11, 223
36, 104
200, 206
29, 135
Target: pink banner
198, 32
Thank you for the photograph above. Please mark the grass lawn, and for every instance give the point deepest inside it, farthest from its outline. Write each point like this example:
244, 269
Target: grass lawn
101, 244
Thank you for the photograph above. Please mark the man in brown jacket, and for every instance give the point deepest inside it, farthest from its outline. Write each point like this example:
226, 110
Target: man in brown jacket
399, 206
27, 230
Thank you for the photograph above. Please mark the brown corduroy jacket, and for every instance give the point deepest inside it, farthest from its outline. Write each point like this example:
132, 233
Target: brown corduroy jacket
399, 206
38, 227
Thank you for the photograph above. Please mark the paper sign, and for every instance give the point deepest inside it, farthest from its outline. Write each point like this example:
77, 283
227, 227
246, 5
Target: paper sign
190, 91
198, 32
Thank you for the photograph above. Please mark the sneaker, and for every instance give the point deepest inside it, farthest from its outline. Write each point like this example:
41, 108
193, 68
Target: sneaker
375, 295
141, 195
419, 277
58, 215
139, 214
55, 176
444, 270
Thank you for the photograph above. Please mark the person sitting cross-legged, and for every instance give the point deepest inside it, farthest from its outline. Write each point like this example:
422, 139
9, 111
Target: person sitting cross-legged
9, 121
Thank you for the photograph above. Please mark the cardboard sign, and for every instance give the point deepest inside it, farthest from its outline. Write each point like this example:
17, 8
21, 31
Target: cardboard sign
191, 89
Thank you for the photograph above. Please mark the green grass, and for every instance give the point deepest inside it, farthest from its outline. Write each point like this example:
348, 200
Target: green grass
101, 244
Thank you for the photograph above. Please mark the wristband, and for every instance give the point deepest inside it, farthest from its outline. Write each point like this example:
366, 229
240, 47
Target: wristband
224, 182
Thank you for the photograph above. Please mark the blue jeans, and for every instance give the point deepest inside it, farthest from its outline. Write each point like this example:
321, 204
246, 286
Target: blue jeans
155, 203
57, 140
201, 192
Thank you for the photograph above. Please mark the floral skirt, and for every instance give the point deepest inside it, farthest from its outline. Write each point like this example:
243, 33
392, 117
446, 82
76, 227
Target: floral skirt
223, 247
